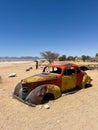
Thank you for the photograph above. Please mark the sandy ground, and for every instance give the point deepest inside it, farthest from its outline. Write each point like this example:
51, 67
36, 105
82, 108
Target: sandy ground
78, 111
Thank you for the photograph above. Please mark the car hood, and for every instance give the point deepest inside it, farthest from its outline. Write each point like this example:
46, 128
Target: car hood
39, 78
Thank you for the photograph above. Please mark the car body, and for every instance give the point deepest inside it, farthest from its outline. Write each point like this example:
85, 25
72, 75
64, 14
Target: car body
51, 83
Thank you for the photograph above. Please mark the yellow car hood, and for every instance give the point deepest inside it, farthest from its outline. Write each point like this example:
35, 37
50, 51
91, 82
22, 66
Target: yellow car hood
39, 78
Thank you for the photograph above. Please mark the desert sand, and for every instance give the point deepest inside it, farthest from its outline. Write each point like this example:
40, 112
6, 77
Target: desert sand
78, 111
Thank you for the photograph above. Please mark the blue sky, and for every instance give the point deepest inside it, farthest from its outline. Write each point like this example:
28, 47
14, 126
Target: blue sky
28, 27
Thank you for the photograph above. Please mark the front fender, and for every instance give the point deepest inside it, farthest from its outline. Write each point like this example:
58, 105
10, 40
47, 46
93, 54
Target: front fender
17, 89
36, 96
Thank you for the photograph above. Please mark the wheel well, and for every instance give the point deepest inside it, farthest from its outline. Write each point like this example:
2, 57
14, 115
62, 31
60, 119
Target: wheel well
47, 97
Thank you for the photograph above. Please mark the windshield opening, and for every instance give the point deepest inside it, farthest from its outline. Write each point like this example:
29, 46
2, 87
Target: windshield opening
52, 70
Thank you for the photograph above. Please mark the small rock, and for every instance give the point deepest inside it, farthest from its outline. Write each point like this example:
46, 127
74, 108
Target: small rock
28, 69
47, 106
39, 106
12, 75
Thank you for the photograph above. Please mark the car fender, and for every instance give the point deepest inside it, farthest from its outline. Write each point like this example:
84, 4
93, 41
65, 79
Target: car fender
36, 95
86, 80
17, 88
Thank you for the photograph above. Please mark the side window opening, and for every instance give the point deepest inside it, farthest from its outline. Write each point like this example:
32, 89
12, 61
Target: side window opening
57, 70
52, 70
69, 71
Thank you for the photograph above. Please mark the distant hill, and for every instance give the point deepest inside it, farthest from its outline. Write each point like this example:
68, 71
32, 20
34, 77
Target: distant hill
23, 58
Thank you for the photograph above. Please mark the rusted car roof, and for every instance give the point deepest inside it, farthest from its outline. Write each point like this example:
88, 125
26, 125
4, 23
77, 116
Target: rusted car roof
62, 65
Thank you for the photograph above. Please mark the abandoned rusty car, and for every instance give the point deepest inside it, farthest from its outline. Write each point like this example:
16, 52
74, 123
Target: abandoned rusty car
54, 80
